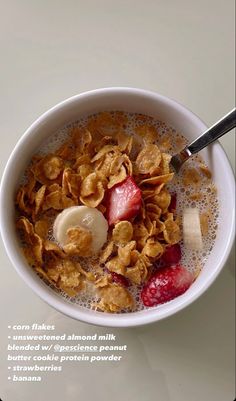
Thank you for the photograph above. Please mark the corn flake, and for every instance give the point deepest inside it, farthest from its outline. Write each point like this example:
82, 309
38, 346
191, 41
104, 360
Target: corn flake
22, 201
125, 142
134, 257
82, 159
102, 282
52, 247
148, 159
140, 234
115, 265
56, 199
161, 179
116, 163
39, 198
102, 152
66, 276
41, 228
71, 183
79, 242
139, 272
89, 184
153, 208
31, 238
165, 163
171, 231
107, 252
84, 170
153, 249
122, 232
115, 298
124, 253
116, 178
162, 199
66, 152
148, 133
47, 169
81, 138
96, 190
52, 167
134, 275
102, 141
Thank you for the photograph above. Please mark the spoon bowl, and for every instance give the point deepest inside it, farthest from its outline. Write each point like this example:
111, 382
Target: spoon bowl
224, 125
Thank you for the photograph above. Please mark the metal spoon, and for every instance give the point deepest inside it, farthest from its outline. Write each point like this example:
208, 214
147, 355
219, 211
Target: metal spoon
220, 128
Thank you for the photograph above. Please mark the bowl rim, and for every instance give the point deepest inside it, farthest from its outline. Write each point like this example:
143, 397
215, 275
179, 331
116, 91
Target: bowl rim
53, 299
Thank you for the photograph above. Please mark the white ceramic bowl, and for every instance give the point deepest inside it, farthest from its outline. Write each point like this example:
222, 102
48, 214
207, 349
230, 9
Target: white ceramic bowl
131, 100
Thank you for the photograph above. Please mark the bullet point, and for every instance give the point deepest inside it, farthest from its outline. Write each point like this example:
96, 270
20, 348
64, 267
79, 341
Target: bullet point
9, 336
9, 367
9, 378
9, 327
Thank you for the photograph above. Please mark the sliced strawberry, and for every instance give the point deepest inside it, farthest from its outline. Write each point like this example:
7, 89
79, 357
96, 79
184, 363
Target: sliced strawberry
119, 279
165, 285
173, 203
172, 254
123, 201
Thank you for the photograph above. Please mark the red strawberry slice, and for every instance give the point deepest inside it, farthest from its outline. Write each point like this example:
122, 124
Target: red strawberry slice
119, 279
123, 201
166, 284
172, 255
173, 203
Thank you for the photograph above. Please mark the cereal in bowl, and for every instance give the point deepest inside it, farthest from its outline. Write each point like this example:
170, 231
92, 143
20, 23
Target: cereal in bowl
101, 217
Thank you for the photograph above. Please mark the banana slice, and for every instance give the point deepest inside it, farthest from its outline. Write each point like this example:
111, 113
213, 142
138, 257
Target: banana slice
192, 229
84, 217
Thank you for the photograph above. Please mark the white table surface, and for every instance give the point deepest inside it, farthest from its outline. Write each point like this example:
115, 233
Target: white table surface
184, 49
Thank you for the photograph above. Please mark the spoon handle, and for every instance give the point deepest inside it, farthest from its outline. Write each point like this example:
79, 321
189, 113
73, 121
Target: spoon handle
220, 128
